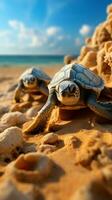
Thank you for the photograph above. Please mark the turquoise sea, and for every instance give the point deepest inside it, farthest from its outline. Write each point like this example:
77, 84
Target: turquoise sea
11, 60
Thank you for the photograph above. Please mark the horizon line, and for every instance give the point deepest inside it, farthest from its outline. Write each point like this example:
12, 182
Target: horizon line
37, 54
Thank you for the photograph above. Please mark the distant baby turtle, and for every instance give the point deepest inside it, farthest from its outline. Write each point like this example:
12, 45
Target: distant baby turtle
73, 87
32, 81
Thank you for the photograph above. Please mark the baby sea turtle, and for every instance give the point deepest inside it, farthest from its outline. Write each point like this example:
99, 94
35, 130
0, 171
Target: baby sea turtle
73, 87
32, 81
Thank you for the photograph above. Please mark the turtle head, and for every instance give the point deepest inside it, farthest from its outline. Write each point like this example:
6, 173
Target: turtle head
68, 93
30, 81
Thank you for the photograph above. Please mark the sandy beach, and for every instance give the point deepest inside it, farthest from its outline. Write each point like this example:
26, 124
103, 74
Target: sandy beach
73, 159
82, 157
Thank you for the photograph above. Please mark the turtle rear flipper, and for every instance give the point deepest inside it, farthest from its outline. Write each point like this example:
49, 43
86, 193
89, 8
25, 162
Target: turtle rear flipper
106, 93
40, 121
103, 109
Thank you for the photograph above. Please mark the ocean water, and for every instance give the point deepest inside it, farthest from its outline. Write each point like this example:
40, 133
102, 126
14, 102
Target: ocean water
11, 60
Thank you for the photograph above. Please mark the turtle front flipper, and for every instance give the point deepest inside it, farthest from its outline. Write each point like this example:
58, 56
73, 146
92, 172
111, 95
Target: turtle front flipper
103, 109
18, 90
12, 87
40, 121
44, 89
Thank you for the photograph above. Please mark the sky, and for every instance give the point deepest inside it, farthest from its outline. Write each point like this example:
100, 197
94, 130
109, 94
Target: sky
43, 27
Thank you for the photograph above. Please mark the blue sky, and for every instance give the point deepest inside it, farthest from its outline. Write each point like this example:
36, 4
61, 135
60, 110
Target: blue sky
48, 26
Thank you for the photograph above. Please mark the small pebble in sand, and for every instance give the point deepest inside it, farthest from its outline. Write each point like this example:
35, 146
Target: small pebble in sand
107, 174
73, 142
46, 148
30, 168
13, 118
50, 138
92, 191
3, 110
9, 191
11, 142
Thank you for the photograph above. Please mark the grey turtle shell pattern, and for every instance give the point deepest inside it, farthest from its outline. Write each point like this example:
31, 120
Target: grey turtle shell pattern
79, 74
38, 73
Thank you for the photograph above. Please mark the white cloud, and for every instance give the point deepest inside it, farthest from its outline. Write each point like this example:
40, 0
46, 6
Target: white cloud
34, 38
37, 41
61, 37
85, 29
52, 31
26, 36
16, 24
4, 33
19, 38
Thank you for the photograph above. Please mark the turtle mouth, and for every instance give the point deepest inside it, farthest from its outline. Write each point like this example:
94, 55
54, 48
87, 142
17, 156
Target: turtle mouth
74, 93
29, 85
68, 99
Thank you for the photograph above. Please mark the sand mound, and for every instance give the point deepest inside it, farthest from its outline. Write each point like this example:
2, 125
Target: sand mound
96, 54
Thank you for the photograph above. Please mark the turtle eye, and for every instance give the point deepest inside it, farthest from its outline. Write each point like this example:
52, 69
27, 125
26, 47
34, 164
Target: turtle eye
32, 79
63, 93
24, 80
72, 89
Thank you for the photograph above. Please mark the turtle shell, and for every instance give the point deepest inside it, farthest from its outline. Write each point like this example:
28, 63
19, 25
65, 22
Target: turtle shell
79, 74
38, 73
